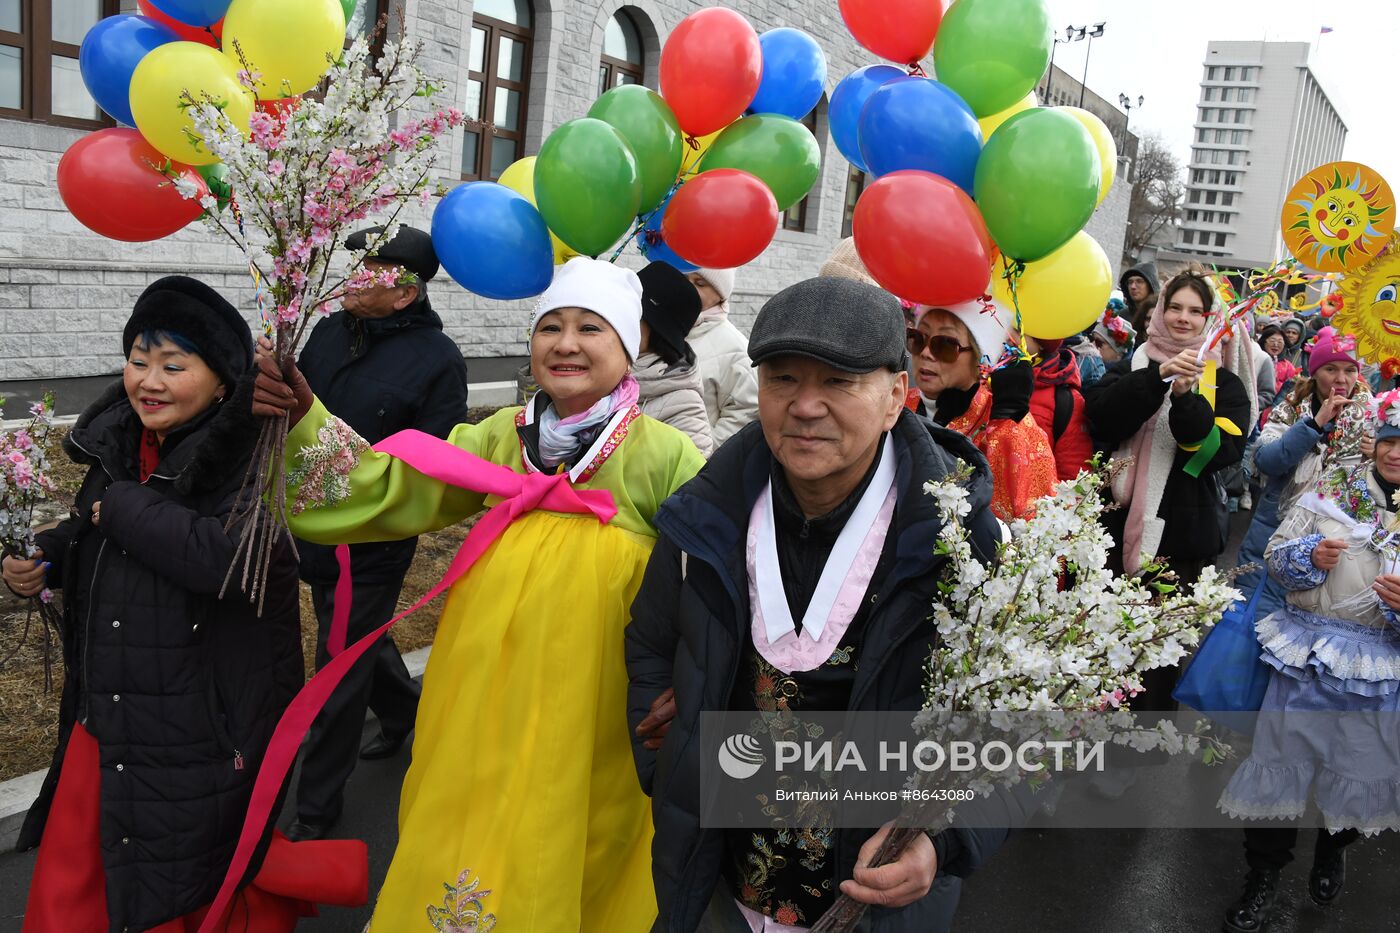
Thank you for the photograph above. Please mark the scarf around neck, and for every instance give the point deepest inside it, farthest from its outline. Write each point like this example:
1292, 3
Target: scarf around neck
1162, 346
562, 438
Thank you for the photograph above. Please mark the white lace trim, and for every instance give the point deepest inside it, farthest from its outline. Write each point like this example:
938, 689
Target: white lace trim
1298, 645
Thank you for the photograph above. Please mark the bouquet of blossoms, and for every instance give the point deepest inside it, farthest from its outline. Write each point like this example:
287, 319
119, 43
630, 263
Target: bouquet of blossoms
1044, 643
300, 178
24, 483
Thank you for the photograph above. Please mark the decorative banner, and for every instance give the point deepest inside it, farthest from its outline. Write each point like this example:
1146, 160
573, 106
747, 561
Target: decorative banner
1338, 217
1370, 305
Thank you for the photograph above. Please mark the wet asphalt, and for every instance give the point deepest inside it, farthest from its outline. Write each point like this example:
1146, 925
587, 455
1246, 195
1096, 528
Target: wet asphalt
1050, 881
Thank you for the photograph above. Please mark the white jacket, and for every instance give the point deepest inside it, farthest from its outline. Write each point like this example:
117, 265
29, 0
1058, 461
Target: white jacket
730, 385
672, 394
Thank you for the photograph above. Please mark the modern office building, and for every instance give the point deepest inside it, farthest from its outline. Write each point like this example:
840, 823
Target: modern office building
1262, 121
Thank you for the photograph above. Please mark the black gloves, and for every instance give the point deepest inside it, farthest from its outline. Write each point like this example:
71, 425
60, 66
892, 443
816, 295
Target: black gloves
1011, 390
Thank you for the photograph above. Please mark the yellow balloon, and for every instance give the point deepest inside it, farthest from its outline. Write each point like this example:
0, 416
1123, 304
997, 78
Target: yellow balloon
157, 89
290, 42
989, 124
1062, 294
1103, 141
691, 157
519, 177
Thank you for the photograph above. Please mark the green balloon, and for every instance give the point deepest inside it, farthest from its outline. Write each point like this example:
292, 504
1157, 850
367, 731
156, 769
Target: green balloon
650, 128
992, 52
780, 151
1037, 182
215, 176
348, 8
587, 185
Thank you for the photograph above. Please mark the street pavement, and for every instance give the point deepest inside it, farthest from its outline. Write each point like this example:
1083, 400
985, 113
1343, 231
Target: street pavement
1049, 881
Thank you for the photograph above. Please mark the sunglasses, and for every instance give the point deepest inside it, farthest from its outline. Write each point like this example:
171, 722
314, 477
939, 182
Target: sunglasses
941, 347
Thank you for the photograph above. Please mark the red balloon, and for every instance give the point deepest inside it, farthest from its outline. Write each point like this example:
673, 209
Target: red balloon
720, 219
274, 108
923, 239
900, 30
211, 36
711, 67
111, 181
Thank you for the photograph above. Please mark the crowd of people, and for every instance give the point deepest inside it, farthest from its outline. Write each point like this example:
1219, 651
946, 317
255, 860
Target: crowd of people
701, 521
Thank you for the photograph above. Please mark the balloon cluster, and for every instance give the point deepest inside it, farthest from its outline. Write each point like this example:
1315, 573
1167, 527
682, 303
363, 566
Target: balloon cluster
142, 70
977, 190
696, 175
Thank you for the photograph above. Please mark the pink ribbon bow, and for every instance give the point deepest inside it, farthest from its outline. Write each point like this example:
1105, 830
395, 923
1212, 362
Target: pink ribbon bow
431, 456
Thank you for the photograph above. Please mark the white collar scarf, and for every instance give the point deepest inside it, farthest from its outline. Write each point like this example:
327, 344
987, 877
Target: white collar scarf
768, 577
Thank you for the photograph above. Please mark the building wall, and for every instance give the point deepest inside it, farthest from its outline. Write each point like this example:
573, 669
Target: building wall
1291, 126
67, 292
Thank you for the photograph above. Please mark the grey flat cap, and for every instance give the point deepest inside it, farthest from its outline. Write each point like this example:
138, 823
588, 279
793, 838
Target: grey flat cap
850, 325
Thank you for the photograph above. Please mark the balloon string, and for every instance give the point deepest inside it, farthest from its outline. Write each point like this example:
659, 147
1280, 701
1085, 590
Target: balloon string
259, 290
916, 70
1012, 272
642, 221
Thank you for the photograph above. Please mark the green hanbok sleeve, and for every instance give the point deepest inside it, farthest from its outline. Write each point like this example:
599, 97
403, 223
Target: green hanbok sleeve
339, 491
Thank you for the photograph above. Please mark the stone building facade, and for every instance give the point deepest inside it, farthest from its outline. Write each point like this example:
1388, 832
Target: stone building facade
65, 293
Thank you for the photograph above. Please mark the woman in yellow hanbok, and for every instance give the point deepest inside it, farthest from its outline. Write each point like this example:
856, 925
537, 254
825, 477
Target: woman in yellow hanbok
521, 808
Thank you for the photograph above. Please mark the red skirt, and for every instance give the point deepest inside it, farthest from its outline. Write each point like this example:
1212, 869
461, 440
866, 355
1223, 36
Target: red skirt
69, 890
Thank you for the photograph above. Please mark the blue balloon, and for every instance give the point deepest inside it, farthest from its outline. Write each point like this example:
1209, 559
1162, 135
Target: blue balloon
653, 247
492, 241
848, 100
794, 74
920, 124
109, 55
194, 12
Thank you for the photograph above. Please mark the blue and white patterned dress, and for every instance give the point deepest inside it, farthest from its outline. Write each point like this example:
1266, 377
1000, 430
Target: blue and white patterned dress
1329, 729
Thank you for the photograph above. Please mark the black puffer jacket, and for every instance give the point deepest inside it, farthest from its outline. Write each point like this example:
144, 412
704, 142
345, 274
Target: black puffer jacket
380, 377
686, 633
180, 689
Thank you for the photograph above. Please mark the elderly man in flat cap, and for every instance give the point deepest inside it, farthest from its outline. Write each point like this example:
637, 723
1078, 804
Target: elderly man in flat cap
823, 495
384, 365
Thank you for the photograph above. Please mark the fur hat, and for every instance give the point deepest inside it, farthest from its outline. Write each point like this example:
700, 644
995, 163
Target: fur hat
190, 309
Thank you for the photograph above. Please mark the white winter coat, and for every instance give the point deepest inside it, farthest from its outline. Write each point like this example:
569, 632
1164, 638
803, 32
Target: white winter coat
673, 394
730, 385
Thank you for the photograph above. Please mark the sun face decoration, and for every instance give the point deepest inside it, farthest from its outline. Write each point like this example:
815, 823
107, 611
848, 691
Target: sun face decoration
1338, 216
1371, 305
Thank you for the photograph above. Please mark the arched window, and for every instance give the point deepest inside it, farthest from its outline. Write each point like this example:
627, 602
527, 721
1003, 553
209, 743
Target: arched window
795, 217
498, 84
622, 54
39, 77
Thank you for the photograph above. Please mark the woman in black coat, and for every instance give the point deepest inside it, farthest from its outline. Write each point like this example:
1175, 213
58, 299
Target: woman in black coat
1177, 423
170, 692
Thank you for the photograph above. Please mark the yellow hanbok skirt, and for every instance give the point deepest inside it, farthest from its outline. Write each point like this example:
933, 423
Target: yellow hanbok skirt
521, 809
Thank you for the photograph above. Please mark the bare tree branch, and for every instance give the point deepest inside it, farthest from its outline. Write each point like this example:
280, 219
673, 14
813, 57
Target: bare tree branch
1158, 194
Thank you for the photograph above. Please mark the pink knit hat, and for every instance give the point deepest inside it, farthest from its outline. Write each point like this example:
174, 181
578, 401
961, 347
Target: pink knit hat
1330, 347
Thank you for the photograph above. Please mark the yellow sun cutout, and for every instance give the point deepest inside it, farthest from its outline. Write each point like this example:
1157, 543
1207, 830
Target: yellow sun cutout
1370, 311
1338, 216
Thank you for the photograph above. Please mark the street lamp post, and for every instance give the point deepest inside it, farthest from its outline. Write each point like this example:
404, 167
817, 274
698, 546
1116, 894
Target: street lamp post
1126, 103
1094, 33
1050, 75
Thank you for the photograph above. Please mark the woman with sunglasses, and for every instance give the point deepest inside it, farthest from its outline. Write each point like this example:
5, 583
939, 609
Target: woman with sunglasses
951, 347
